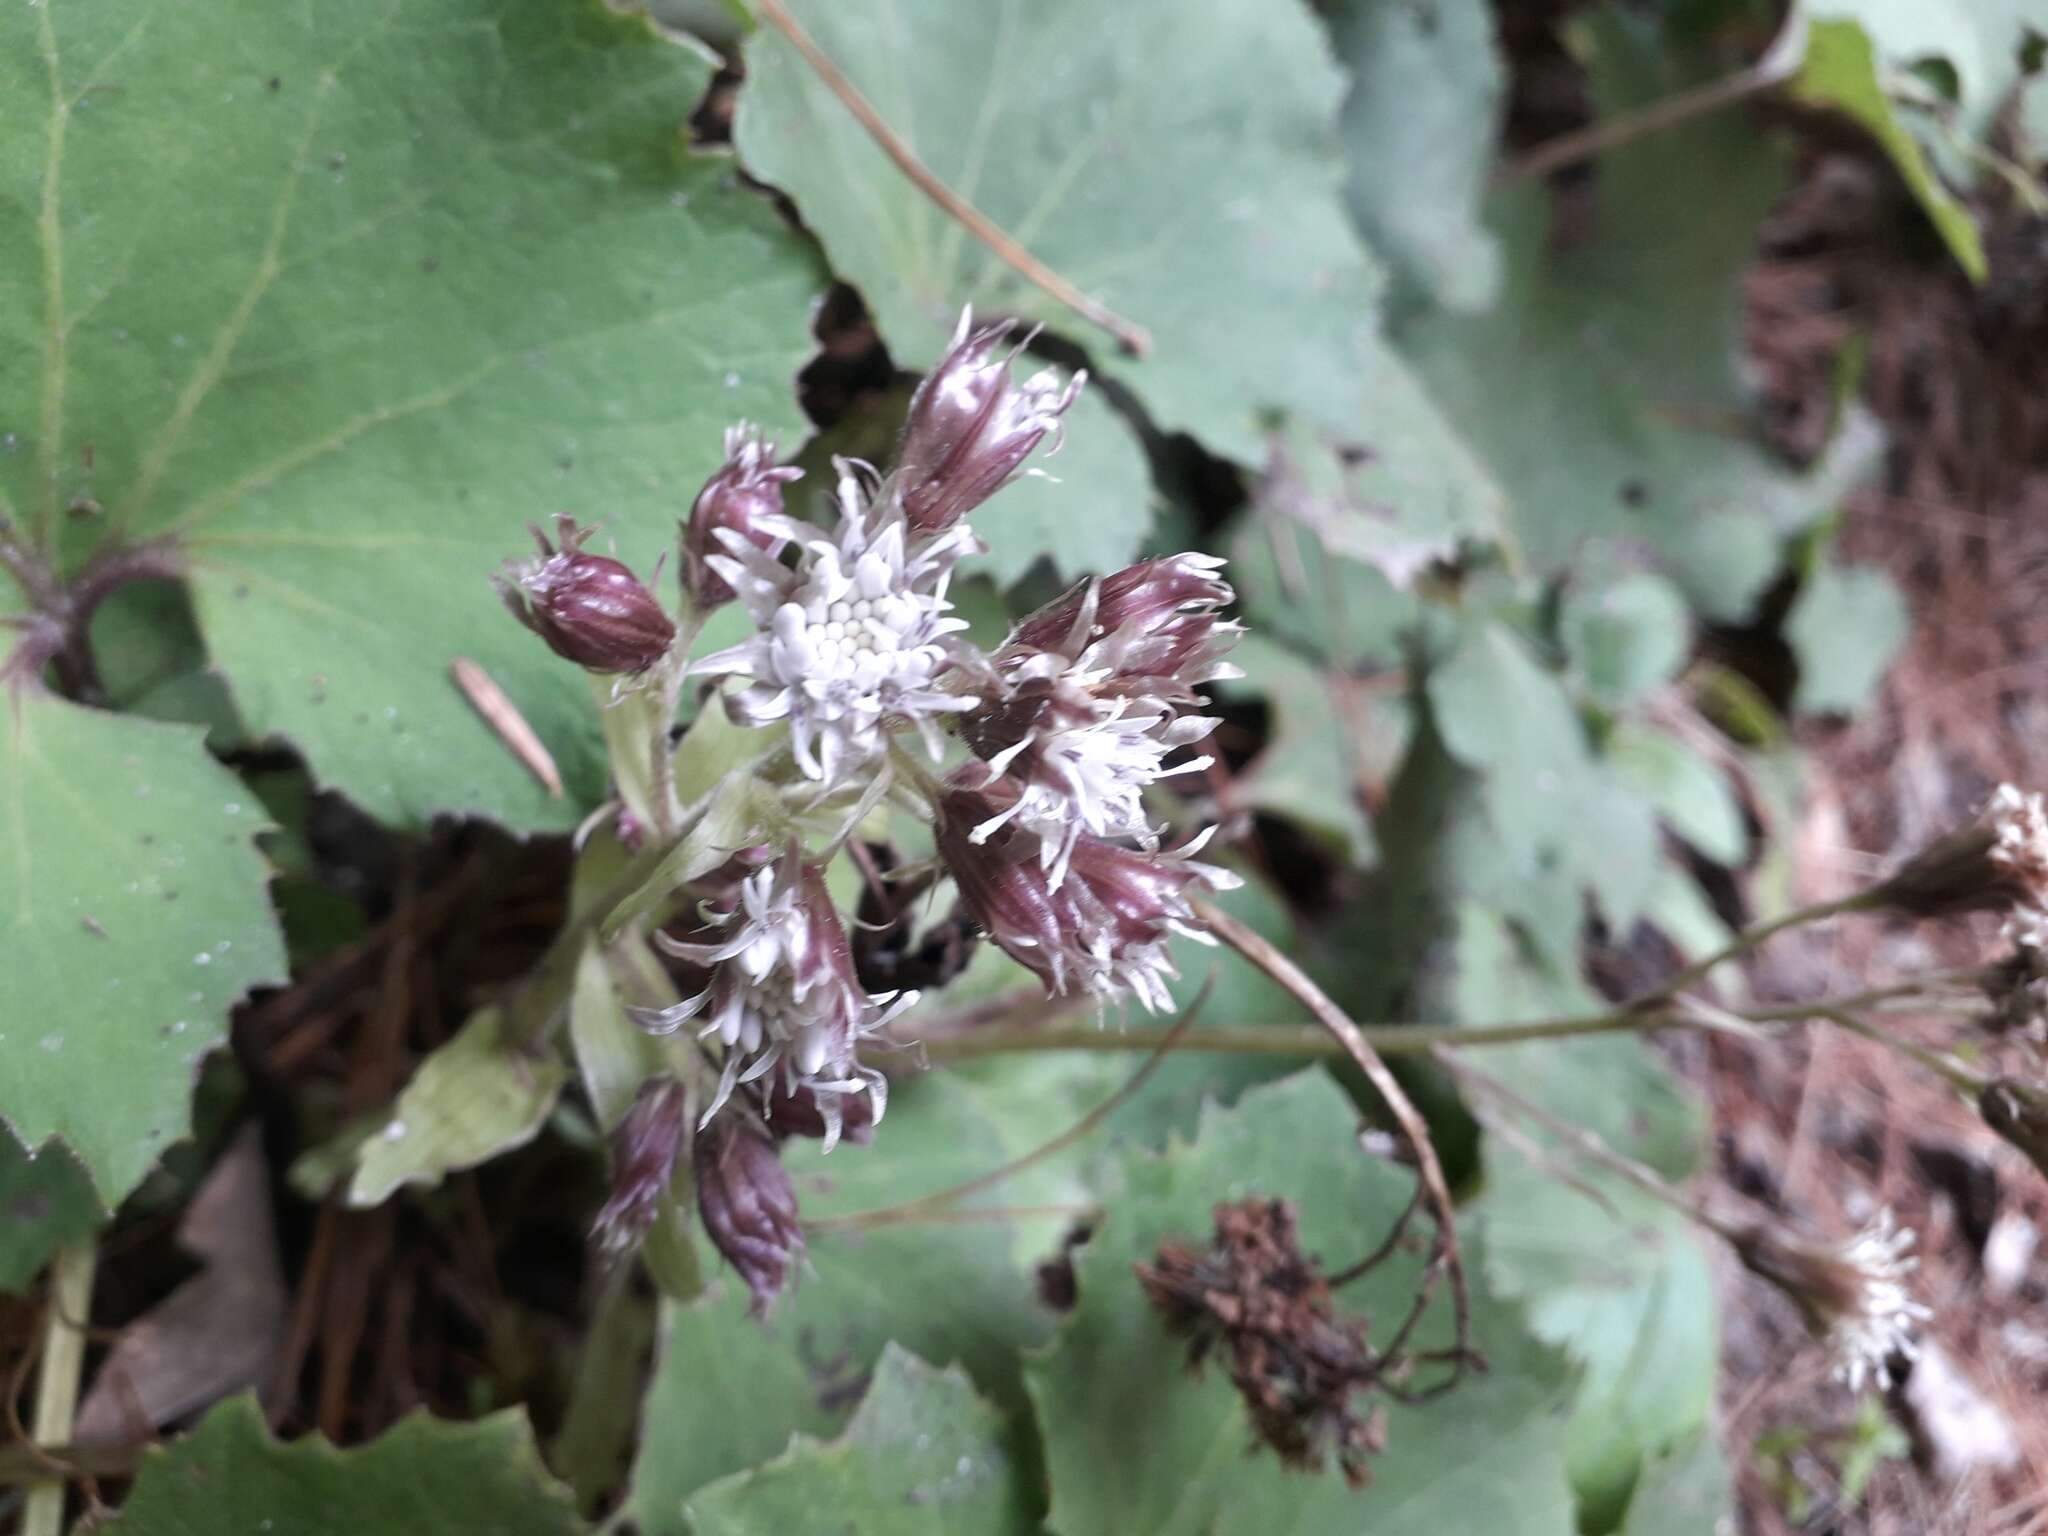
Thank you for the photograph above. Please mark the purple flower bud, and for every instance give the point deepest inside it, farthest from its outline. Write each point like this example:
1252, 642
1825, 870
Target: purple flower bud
1153, 625
644, 1150
590, 609
798, 1109
1104, 929
970, 429
748, 1206
744, 498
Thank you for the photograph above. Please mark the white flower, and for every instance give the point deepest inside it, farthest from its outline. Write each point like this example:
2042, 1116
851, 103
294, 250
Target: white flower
2019, 831
1088, 707
1865, 1336
782, 993
852, 640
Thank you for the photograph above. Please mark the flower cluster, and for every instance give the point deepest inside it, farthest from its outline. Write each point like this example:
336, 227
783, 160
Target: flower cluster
1042, 823
781, 998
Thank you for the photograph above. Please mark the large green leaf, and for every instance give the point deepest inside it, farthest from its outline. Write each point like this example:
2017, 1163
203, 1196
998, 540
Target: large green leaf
342, 296
133, 913
1600, 387
1421, 127
1139, 1447
422, 1478
923, 1454
1177, 162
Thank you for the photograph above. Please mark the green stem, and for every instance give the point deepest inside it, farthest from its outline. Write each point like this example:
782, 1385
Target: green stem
1744, 942
1958, 1076
57, 1388
1389, 1039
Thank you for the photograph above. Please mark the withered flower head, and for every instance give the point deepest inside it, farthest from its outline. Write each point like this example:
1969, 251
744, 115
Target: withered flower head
742, 499
970, 428
1853, 1294
1104, 929
1997, 863
644, 1150
1253, 1297
748, 1206
589, 608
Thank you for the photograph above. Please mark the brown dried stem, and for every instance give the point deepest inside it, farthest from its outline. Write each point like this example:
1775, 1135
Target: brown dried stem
1429, 1170
1133, 338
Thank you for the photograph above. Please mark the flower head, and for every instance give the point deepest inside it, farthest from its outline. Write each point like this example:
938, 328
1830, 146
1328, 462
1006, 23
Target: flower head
1151, 627
1085, 715
748, 1206
644, 1150
970, 429
782, 997
853, 639
590, 609
743, 496
1853, 1293
1104, 929
1997, 863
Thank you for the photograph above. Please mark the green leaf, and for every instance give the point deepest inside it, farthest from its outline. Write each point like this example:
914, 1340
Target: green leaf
133, 915
923, 1454
1600, 389
1421, 125
1979, 40
1683, 1492
1841, 71
45, 1201
1845, 627
1180, 168
1620, 1282
471, 1099
728, 1391
1089, 511
417, 1479
1690, 793
1307, 772
439, 272
1626, 637
1137, 1446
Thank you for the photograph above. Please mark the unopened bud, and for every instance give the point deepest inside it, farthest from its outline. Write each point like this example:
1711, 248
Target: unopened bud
1154, 625
743, 498
748, 1206
644, 1150
589, 608
970, 429
1998, 863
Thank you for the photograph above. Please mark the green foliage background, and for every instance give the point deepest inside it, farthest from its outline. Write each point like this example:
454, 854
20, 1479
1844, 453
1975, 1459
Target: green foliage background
319, 304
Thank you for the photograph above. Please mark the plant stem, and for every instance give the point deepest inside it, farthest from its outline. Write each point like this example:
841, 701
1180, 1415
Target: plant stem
1387, 1039
1255, 948
914, 1210
1625, 127
1953, 1072
57, 1387
1134, 339
1744, 942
